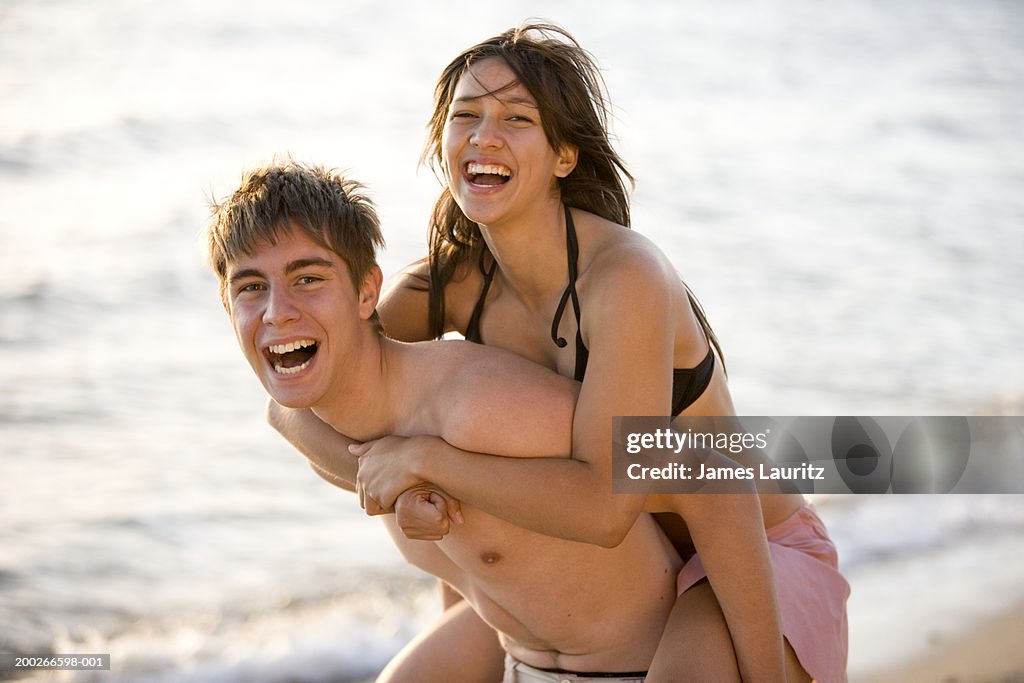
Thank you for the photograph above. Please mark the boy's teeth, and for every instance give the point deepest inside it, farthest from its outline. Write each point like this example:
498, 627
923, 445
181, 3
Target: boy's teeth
280, 369
291, 346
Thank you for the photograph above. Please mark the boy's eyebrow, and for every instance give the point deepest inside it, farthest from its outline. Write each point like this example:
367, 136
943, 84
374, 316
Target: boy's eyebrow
297, 264
301, 263
244, 273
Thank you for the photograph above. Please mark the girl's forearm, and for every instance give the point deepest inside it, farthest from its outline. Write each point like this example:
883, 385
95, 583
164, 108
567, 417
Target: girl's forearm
729, 537
557, 496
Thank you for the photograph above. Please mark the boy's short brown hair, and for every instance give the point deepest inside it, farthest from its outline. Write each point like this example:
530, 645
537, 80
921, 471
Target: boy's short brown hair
281, 196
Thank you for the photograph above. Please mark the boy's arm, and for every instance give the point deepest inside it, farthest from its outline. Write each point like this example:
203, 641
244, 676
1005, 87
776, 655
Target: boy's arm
324, 448
422, 511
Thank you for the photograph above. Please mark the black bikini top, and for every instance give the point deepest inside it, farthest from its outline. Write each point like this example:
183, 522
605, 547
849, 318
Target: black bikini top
687, 383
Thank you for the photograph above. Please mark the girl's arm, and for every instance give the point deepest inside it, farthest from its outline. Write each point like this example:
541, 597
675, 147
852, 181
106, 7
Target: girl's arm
728, 534
629, 373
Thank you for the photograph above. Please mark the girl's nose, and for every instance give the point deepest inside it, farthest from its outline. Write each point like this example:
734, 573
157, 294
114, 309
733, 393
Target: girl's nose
486, 133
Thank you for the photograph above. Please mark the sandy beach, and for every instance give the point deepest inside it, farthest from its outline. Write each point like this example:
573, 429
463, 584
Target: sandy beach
990, 653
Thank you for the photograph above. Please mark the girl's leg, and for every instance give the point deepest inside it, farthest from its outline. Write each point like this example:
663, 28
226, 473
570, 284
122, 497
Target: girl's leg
696, 645
459, 646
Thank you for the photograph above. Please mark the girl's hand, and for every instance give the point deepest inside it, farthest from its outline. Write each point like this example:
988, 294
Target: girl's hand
385, 470
424, 514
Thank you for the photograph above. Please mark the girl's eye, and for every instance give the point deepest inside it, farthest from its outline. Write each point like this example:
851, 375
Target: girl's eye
463, 115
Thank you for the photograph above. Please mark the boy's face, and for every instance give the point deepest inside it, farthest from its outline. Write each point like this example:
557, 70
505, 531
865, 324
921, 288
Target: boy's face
298, 318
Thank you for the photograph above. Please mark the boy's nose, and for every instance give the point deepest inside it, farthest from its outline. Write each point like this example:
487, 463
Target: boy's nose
280, 308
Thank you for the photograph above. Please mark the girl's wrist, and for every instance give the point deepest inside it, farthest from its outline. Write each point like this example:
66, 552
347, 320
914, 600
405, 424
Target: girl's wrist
424, 453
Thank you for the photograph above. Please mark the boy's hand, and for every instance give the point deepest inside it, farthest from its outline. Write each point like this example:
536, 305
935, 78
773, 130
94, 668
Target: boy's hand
425, 514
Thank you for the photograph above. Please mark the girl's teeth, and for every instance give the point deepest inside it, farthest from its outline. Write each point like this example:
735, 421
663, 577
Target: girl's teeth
489, 169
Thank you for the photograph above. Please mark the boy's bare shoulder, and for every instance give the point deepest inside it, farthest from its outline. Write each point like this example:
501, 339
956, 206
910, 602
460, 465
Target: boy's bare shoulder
442, 369
464, 361
482, 396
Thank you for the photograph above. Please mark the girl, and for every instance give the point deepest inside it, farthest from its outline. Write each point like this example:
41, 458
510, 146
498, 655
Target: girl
533, 222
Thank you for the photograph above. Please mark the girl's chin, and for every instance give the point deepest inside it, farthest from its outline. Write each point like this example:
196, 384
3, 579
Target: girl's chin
479, 211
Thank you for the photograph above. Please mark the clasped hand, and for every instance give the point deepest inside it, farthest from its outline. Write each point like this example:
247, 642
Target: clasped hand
385, 482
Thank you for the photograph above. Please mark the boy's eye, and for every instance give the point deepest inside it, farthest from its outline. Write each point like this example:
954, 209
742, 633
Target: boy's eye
250, 287
308, 279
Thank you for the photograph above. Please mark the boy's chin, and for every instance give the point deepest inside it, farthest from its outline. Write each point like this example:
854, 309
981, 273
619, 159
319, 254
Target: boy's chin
291, 402
288, 401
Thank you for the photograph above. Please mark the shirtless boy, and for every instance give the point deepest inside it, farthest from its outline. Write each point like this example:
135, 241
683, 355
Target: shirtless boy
294, 250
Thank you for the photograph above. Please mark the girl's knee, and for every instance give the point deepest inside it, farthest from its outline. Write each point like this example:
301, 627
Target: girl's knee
696, 645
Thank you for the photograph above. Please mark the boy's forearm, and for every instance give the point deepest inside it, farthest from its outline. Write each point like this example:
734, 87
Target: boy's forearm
324, 448
331, 479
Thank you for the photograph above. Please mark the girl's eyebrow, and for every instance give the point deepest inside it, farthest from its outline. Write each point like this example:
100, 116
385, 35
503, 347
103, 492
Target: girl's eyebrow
525, 101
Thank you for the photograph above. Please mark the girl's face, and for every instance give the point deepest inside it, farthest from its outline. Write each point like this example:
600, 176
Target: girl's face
499, 164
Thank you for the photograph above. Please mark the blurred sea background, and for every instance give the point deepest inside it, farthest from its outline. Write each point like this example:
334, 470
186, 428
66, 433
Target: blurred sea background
841, 183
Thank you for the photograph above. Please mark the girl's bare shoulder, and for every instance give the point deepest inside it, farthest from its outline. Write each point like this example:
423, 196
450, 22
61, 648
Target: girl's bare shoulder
608, 248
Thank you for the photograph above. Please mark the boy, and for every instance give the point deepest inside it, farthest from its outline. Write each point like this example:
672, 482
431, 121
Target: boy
294, 251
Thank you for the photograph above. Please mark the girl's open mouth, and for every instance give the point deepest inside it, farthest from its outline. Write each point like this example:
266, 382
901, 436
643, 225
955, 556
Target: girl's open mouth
487, 174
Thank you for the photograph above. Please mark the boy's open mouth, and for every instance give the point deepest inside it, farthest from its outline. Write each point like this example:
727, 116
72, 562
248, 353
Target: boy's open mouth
292, 357
487, 174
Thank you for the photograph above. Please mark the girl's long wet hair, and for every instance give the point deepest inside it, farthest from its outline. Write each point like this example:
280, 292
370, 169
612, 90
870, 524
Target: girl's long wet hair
572, 99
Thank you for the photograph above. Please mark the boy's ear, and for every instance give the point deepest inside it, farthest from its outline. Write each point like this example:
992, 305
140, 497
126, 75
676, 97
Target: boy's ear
369, 292
567, 158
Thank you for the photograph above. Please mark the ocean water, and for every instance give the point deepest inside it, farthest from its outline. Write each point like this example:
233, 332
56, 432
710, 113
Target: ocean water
840, 184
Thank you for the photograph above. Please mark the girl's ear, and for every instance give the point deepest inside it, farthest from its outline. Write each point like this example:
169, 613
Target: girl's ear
567, 157
369, 292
